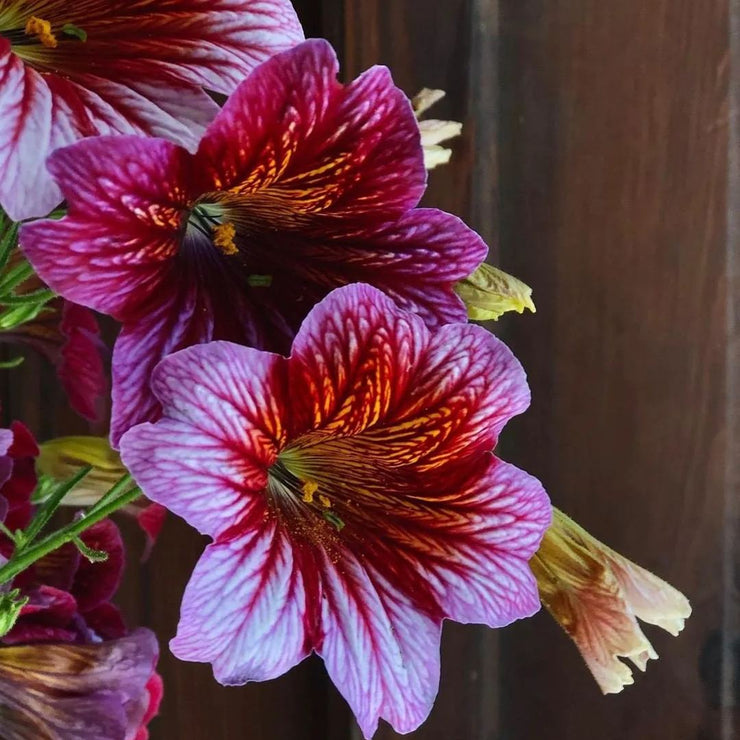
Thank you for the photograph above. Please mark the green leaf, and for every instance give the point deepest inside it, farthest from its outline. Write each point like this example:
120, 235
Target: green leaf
94, 556
8, 240
19, 315
15, 277
41, 296
70, 29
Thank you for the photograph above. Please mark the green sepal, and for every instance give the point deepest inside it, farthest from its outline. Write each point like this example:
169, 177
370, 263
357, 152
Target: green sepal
89, 553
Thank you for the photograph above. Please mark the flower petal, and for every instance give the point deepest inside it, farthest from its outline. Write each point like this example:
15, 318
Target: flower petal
80, 367
362, 365
247, 608
380, 650
139, 71
116, 187
199, 464
322, 148
95, 583
93, 691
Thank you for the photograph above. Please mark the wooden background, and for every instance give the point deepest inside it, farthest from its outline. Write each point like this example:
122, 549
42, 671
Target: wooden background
600, 158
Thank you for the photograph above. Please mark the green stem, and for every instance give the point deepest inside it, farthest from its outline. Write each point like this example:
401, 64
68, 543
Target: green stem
29, 556
47, 509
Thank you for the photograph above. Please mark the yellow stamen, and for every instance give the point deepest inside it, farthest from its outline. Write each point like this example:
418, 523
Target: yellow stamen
309, 488
41, 28
325, 501
223, 238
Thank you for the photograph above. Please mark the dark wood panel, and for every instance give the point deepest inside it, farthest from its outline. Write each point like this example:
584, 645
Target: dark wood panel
614, 152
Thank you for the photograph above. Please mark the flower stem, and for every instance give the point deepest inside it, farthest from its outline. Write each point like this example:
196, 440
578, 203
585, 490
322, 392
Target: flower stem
97, 513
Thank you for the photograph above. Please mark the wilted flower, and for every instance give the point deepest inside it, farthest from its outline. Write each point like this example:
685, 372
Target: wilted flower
300, 185
60, 458
74, 69
105, 690
489, 293
597, 595
352, 497
434, 132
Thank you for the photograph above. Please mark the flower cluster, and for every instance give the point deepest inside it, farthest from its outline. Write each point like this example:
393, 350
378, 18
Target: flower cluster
295, 374
69, 667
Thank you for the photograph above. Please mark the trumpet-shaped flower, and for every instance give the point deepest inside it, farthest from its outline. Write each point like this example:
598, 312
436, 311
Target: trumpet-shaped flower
299, 186
74, 69
352, 497
597, 595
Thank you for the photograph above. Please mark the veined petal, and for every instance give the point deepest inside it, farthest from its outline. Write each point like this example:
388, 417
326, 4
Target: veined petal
248, 606
321, 148
361, 365
596, 594
25, 135
140, 70
93, 691
226, 455
210, 43
380, 650
80, 367
123, 224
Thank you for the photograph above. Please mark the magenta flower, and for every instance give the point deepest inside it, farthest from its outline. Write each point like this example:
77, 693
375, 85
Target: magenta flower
351, 495
74, 69
299, 186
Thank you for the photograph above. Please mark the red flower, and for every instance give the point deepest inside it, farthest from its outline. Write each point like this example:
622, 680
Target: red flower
18, 452
74, 69
352, 496
300, 185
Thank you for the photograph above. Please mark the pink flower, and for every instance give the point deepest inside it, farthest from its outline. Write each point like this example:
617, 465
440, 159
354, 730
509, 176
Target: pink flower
300, 185
69, 70
352, 497
597, 595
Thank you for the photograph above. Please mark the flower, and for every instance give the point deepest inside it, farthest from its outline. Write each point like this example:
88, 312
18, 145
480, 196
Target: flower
434, 132
62, 690
596, 595
18, 451
74, 69
299, 186
351, 495
60, 458
489, 293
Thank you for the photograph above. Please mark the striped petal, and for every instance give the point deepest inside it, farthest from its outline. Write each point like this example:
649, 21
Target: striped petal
200, 464
140, 70
249, 606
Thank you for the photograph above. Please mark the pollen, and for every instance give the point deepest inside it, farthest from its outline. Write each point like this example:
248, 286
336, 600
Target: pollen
325, 501
223, 238
309, 488
41, 28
